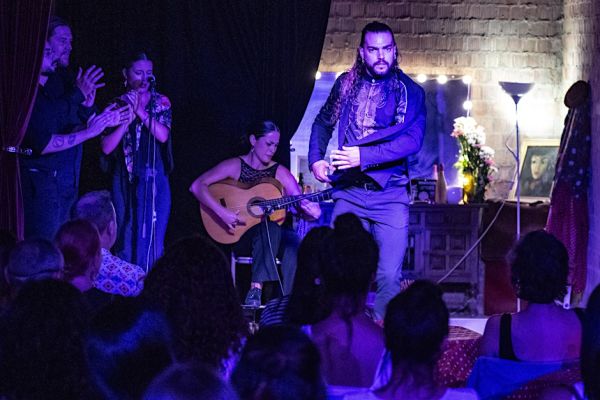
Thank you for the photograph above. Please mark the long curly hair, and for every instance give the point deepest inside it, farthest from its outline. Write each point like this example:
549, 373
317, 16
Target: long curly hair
192, 284
349, 79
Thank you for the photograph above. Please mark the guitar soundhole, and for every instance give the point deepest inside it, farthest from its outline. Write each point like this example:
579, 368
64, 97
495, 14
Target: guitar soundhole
254, 209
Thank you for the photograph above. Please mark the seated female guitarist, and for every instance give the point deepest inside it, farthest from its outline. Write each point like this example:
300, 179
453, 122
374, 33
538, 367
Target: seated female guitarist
251, 168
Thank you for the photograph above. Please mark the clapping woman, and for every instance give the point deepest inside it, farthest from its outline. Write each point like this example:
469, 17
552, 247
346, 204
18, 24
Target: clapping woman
142, 160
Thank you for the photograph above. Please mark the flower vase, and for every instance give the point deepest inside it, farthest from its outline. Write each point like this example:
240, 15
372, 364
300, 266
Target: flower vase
469, 187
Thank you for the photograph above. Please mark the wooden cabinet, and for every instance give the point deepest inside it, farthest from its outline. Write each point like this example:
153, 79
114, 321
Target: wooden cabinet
439, 236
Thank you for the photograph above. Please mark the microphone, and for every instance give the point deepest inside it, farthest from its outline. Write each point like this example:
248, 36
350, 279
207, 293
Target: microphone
151, 80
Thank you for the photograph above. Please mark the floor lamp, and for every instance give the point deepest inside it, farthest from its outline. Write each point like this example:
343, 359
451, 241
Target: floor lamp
516, 91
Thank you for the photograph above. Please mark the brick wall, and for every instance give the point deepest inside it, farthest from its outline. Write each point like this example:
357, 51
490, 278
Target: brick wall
581, 50
491, 40
550, 42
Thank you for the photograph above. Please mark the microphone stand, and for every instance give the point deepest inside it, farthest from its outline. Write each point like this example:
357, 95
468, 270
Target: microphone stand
151, 177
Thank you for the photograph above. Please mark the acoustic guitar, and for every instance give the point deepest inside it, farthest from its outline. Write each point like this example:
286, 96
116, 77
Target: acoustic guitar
253, 201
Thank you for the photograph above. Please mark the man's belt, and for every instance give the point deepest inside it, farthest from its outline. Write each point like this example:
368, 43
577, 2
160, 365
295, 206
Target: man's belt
17, 150
374, 186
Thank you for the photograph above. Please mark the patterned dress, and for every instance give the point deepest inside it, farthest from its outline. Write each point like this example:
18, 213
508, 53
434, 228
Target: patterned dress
140, 185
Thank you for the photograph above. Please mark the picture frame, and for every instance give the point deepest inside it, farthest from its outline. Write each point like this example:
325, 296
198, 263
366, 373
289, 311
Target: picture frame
537, 165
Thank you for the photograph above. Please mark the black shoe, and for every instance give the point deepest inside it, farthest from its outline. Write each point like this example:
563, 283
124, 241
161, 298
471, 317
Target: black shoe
253, 297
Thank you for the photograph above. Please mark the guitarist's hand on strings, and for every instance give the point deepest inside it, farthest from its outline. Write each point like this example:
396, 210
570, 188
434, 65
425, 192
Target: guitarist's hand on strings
310, 209
231, 219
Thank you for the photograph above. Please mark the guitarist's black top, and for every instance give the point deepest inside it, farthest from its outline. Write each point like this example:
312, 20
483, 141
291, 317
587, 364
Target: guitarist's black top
250, 175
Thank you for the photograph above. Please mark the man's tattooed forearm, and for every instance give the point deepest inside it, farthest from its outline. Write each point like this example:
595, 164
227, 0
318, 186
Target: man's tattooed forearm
58, 141
71, 140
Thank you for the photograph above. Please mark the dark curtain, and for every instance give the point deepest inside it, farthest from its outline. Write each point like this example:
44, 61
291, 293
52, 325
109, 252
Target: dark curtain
23, 26
222, 63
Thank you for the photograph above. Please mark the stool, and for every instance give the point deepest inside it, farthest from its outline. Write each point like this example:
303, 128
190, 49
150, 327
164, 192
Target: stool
243, 260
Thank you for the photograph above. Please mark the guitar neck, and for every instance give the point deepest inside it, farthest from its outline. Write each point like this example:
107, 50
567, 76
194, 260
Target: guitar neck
289, 201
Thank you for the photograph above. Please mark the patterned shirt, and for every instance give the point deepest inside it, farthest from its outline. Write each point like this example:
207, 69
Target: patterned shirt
117, 276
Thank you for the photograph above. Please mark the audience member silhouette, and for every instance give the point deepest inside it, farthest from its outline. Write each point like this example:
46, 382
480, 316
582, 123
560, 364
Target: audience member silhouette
189, 382
192, 284
42, 352
128, 346
31, 260
350, 343
79, 242
279, 363
589, 388
543, 330
303, 306
416, 325
7, 243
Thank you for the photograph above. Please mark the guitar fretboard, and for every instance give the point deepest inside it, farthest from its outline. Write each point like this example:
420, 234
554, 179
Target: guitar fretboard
288, 201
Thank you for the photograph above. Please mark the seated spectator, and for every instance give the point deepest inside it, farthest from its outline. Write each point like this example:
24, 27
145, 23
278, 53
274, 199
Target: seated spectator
42, 347
189, 382
33, 260
416, 325
127, 347
279, 363
79, 243
302, 305
589, 388
350, 343
192, 285
543, 330
7, 242
115, 276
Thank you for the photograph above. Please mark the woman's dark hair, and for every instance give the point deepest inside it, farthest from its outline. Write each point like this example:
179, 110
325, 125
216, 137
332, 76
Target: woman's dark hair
189, 382
192, 284
416, 323
349, 261
257, 129
136, 55
79, 242
540, 268
42, 352
279, 362
306, 305
127, 346
590, 347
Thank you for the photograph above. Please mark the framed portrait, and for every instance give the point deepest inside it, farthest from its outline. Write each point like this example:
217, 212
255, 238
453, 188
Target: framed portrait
538, 161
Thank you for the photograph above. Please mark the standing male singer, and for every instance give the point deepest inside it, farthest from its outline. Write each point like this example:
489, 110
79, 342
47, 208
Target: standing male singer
381, 114
62, 118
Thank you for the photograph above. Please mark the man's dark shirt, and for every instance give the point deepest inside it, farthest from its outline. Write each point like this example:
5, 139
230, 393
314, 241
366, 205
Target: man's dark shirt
385, 119
55, 111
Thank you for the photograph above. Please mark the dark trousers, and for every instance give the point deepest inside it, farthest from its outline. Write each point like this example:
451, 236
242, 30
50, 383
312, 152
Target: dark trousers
138, 242
384, 213
284, 243
47, 201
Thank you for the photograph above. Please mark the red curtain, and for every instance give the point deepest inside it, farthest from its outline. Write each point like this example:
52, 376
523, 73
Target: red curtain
23, 26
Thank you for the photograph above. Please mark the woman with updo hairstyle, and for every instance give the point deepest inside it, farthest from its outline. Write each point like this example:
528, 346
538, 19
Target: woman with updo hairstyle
79, 242
543, 330
265, 238
141, 156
